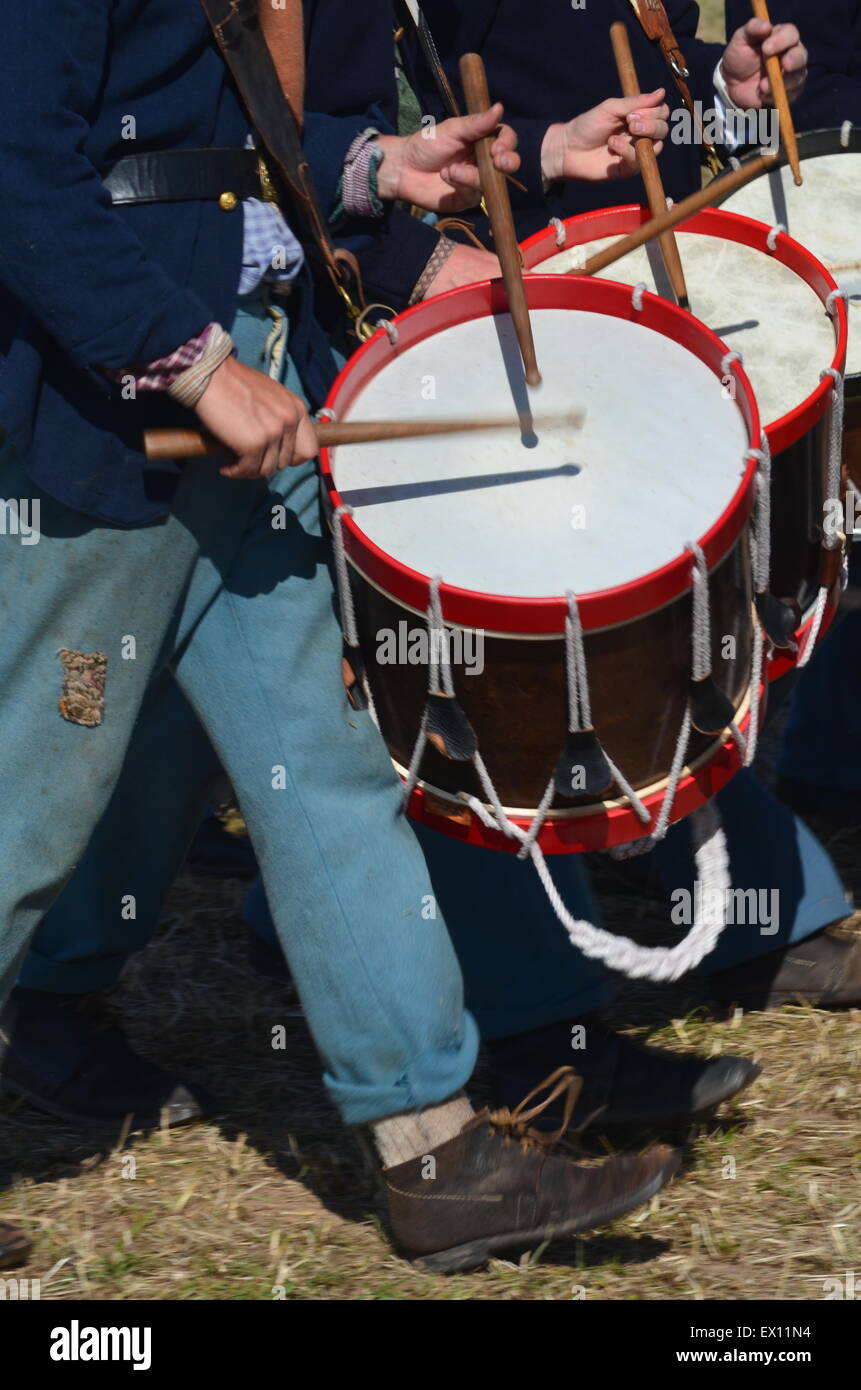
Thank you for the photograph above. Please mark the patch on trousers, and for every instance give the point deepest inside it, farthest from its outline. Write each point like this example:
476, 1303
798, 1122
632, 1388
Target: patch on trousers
83, 697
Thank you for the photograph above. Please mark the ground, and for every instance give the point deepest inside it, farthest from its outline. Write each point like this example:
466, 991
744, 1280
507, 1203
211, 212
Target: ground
274, 1200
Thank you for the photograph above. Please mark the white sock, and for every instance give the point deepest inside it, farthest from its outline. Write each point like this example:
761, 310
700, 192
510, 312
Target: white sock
414, 1133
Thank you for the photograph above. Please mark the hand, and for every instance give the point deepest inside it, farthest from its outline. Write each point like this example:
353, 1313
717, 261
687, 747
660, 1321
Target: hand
464, 266
743, 63
258, 419
436, 169
599, 144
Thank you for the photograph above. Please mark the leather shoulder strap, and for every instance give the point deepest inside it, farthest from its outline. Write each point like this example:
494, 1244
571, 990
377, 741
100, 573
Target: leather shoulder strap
237, 31
431, 56
655, 23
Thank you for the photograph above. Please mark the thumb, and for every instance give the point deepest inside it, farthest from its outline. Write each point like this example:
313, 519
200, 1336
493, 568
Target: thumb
641, 101
472, 128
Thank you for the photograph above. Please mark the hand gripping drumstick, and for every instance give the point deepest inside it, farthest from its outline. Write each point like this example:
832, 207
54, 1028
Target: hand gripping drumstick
183, 444
781, 100
648, 163
474, 80
712, 195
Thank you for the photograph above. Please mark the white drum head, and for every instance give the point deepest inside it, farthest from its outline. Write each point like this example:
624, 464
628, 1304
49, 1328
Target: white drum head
824, 214
657, 461
759, 307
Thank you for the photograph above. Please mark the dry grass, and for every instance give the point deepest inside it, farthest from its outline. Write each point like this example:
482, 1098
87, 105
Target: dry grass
711, 26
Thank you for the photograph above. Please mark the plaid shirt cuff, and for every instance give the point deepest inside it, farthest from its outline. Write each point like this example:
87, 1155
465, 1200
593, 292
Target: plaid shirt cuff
359, 186
185, 372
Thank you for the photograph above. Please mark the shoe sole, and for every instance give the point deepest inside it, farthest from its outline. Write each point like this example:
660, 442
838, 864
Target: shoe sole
475, 1253
18, 1092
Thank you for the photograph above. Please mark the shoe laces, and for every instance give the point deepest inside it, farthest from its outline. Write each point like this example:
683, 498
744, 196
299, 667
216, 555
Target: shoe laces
516, 1124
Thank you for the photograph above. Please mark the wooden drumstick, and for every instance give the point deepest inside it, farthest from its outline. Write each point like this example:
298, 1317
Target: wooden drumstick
712, 195
181, 443
648, 163
474, 80
781, 100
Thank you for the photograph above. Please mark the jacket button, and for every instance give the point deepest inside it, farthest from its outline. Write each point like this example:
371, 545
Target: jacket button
228, 201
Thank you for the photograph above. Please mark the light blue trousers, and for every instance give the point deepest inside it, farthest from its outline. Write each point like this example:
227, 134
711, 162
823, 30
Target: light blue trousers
239, 615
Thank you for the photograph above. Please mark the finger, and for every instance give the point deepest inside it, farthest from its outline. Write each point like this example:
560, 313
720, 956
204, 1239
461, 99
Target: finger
305, 445
272, 454
247, 466
287, 446
795, 60
506, 140
461, 176
781, 38
648, 126
621, 147
756, 31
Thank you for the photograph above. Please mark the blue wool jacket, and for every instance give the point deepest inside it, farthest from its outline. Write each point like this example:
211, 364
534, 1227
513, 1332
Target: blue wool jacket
84, 285
546, 62
831, 30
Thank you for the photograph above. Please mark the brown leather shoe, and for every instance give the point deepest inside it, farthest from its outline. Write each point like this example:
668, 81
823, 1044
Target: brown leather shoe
496, 1187
15, 1247
824, 970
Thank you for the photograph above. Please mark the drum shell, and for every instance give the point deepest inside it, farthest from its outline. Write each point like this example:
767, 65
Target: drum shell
638, 681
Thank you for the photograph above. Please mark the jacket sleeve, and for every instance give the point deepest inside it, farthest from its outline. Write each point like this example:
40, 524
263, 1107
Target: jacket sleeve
326, 140
393, 256
65, 253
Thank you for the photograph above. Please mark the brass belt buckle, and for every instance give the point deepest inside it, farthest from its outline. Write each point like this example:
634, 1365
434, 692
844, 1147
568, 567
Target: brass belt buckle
267, 183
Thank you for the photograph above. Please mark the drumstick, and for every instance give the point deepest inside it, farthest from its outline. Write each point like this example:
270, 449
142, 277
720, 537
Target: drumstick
474, 80
182, 443
712, 195
781, 100
648, 163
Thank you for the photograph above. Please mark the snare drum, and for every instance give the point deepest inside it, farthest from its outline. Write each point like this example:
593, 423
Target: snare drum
772, 302
554, 564
825, 216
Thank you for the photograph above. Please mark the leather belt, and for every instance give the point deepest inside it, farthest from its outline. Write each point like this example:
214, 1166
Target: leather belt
179, 176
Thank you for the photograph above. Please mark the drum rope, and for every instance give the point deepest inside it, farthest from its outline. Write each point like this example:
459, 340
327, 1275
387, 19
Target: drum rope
771, 239
701, 637
659, 963
439, 668
345, 593
747, 747
712, 861
831, 539
559, 230
761, 539
577, 680
345, 596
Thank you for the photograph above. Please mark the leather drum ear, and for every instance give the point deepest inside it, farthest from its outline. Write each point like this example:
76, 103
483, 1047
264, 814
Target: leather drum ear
353, 675
711, 710
583, 769
448, 728
779, 619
